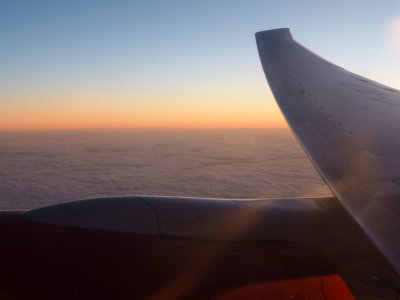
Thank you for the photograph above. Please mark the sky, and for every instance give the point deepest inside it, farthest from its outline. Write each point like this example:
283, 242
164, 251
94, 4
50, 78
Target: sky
179, 64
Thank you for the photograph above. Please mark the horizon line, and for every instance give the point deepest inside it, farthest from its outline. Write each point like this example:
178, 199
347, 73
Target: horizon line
139, 128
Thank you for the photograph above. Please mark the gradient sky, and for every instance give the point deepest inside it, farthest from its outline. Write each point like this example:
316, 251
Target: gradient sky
100, 64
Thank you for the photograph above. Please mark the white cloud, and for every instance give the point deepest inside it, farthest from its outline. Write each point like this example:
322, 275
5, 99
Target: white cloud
49, 167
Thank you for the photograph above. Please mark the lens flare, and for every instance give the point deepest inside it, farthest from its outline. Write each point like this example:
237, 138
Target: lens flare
393, 33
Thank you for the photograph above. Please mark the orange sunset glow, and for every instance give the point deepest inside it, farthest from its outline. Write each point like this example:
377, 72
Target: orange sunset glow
142, 118
256, 111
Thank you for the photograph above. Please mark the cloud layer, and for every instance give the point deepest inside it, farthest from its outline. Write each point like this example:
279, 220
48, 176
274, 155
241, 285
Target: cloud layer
41, 168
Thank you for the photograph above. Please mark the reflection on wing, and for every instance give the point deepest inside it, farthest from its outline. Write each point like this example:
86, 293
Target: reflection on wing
349, 126
150, 247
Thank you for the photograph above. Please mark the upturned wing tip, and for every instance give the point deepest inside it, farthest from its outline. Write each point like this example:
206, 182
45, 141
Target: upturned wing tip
274, 33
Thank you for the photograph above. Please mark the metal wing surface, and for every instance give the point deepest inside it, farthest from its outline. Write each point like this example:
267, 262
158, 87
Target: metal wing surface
349, 126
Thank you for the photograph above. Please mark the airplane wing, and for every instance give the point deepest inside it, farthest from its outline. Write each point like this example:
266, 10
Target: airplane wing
190, 248
349, 127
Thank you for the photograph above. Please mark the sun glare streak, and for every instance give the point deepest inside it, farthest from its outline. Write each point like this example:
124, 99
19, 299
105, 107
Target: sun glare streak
246, 219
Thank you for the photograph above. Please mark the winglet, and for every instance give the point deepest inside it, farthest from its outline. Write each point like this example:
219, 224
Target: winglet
281, 33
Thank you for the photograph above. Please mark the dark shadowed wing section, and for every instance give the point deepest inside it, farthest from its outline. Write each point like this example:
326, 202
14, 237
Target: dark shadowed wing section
349, 126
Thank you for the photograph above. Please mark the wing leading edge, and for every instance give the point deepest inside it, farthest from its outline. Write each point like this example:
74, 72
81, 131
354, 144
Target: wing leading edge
349, 126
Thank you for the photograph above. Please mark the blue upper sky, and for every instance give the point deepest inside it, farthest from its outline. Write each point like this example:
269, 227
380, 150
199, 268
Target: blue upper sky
155, 51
